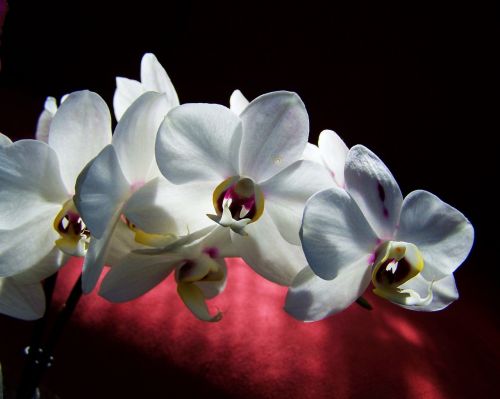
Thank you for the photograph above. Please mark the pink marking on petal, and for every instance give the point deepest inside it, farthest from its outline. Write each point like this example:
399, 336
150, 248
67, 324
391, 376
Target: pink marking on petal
73, 216
371, 258
213, 252
137, 185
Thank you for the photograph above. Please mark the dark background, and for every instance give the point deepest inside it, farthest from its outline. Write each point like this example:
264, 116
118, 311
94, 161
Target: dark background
415, 85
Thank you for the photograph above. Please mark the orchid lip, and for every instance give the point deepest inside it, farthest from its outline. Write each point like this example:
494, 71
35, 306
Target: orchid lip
189, 274
74, 235
395, 264
237, 201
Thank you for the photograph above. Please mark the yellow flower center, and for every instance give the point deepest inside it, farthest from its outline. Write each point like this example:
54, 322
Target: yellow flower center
150, 239
396, 263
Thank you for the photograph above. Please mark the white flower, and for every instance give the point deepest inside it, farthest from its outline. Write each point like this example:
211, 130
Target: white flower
250, 169
408, 248
39, 224
124, 179
153, 78
198, 264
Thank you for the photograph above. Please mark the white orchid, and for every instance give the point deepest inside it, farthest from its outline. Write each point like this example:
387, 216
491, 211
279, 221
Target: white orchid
249, 168
197, 261
153, 78
124, 180
407, 248
39, 224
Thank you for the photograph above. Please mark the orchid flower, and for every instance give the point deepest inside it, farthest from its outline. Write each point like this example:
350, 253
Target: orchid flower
153, 78
407, 248
126, 167
39, 224
249, 167
198, 264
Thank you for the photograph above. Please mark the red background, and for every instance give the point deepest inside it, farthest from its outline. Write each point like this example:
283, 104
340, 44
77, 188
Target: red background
153, 347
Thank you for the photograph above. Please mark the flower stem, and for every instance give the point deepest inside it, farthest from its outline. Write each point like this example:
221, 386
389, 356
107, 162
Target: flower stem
37, 335
48, 287
40, 358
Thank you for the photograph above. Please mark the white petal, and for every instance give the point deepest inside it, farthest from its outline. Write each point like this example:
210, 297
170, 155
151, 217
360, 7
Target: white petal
155, 78
444, 292
26, 245
199, 142
122, 243
311, 298
4, 140
135, 135
335, 233
100, 190
127, 91
334, 152
81, 128
30, 182
287, 192
442, 233
45, 119
238, 102
275, 130
266, 252
22, 301
136, 275
218, 244
96, 255
162, 207
374, 189
46, 267
311, 153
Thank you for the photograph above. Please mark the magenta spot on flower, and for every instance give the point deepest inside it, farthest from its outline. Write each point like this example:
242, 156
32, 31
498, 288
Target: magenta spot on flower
381, 192
213, 252
381, 195
372, 258
72, 217
136, 185
238, 203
